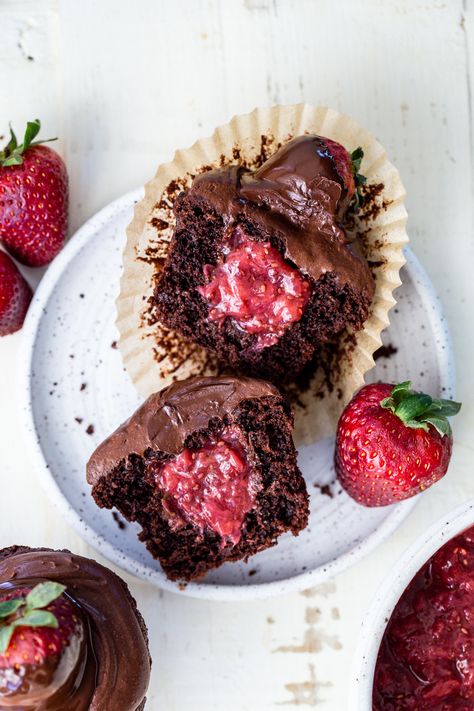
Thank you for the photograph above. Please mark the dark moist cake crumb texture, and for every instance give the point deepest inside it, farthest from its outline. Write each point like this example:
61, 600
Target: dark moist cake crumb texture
187, 551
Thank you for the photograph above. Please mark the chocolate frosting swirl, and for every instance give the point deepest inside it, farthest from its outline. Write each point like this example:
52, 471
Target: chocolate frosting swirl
303, 199
166, 418
117, 666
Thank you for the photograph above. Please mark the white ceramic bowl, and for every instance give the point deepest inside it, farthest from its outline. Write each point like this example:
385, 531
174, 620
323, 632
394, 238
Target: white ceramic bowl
381, 608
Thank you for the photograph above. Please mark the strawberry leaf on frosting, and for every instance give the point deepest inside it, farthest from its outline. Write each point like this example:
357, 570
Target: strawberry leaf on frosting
28, 611
43, 594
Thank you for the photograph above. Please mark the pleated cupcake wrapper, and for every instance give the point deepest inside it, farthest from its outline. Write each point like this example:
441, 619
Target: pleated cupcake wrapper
154, 357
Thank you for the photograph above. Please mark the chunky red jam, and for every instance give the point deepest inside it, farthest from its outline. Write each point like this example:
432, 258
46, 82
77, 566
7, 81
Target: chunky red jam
211, 486
426, 660
255, 287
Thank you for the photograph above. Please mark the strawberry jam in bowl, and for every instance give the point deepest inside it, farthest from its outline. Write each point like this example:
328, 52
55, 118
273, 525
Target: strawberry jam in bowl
415, 649
254, 286
426, 659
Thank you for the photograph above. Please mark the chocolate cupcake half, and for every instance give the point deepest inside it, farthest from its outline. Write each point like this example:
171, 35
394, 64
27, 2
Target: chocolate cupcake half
261, 270
208, 468
71, 636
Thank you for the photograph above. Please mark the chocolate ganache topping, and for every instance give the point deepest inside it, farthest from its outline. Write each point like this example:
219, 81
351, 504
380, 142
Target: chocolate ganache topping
108, 668
168, 417
304, 199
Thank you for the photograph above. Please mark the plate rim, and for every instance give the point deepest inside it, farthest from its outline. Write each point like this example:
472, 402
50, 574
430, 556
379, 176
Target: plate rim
97, 541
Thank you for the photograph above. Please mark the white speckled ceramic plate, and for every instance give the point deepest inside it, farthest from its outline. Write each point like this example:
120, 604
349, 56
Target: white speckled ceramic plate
75, 392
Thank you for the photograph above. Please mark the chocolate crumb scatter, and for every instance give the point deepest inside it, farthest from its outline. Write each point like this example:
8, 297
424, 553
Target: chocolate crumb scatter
325, 489
79, 420
90, 429
385, 351
159, 224
120, 523
113, 345
83, 387
252, 572
372, 207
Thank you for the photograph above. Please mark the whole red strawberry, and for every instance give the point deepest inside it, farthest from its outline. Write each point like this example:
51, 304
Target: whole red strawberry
15, 296
392, 443
36, 626
33, 199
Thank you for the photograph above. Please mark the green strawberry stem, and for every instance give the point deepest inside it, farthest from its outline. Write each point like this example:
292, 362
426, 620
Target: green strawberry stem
359, 179
27, 611
13, 152
418, 411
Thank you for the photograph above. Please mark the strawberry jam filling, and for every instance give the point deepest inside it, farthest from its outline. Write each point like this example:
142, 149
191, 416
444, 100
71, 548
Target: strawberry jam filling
211, 486
255, 287
426, 660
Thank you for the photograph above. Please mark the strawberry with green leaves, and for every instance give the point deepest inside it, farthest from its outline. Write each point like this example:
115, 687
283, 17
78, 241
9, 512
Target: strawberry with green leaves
392, 443
33, 199
37, 625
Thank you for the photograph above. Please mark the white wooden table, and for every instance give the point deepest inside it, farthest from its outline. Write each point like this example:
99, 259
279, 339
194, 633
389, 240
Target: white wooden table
125, 83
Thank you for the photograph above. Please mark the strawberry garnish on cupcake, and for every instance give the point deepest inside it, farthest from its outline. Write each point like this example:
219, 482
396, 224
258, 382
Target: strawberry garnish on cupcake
347, 166
15, 296
392, 443
41, 639
33, 199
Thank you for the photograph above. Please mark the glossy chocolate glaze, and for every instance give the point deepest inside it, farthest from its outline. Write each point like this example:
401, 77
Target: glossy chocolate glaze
110, 669
303, 199
168, 417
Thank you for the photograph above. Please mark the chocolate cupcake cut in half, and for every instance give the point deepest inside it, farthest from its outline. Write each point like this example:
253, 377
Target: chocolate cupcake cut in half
261, 270
208, 468
71, 636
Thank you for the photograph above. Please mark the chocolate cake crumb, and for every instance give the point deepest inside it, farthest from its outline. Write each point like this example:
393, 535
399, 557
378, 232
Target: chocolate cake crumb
90, 429
252, 572
371, 207
119, 521
159, 224
325, 489
385, 351
113, 345
83, 387
79, 420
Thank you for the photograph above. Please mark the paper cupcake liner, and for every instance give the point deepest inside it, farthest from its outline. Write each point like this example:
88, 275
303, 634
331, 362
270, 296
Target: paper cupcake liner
154, 356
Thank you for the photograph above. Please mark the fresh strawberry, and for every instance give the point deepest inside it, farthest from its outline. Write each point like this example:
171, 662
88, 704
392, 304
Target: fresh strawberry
36, 625
347, 167
15, 296
392, 443
33, 199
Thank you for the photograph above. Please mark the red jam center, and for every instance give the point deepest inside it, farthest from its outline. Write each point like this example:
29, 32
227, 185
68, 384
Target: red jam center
426, 660
255, 287
210, 486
